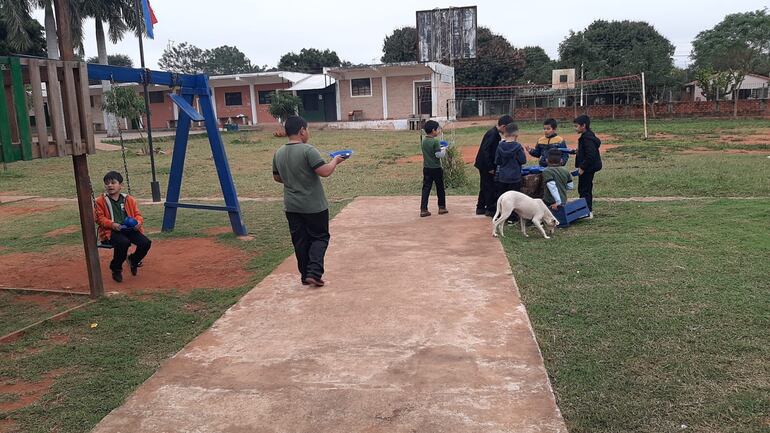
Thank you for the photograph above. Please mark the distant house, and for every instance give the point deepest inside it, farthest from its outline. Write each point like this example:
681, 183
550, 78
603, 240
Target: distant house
241, 98
753, 86
318, 95
396, 91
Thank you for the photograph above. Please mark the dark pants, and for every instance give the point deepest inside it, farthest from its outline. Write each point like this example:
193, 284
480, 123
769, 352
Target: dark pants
501, 188
121, 241
486, 199
310, 236
429, 177
586, 188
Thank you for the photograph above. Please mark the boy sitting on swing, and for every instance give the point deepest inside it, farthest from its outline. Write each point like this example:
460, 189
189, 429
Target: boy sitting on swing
120, 225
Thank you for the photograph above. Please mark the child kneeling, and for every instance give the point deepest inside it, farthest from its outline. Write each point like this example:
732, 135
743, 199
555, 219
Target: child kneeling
557, 181
112, 209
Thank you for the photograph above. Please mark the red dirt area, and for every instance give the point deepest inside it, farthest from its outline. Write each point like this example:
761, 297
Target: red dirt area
41, 301
9, 210
62, 231
747, 139
27, 392
214, 231
172, 264
7, 426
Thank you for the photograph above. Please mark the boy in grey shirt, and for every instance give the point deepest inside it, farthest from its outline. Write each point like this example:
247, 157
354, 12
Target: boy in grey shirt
299, 167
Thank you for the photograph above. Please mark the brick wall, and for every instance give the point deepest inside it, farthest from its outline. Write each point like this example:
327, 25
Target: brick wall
371, 106
232, 111
401, 95
446, 93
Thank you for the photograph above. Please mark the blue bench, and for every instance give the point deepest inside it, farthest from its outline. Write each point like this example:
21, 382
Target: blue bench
572, 211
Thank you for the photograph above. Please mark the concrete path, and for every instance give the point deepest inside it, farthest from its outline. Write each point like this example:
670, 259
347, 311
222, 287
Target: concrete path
419, 329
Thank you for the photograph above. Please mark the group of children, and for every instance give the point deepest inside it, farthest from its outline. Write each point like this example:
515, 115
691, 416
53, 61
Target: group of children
500, 159
299, 166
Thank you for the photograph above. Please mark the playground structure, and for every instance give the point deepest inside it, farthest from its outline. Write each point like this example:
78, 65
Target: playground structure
24, 131
186, 88
69, 113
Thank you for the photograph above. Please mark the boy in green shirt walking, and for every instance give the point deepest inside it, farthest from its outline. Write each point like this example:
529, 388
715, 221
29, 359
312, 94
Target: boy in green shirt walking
431, 169
299, 167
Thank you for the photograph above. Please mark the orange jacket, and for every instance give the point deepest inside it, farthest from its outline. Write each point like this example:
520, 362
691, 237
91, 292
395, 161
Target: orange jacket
104, 218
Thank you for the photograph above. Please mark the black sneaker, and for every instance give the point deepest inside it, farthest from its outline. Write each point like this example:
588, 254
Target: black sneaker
134, 266
117, 276
314, 281
480, 211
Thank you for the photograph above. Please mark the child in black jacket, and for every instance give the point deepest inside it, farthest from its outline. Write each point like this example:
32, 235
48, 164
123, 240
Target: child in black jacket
587, 161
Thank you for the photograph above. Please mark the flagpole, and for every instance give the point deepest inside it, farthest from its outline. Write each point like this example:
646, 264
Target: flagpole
154, 185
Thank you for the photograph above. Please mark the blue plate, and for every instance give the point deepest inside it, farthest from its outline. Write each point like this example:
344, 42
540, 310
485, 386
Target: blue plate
444, 143
343, 153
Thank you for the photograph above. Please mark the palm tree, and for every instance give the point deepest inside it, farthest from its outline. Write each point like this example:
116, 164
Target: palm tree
118, 14
16, 12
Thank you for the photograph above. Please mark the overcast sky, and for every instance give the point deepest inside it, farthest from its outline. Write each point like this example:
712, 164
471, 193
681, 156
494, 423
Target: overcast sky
264, 30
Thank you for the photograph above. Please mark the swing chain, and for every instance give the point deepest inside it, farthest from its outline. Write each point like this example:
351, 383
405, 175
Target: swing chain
122, 146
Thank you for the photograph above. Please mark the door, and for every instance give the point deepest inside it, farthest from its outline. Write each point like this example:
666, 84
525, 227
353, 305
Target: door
424, 95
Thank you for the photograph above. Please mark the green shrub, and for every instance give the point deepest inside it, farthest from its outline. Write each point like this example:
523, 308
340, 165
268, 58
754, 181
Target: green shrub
454, 169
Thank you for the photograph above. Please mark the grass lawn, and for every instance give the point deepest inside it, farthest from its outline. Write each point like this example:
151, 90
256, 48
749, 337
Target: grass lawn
659, 319
665, 325
639, 167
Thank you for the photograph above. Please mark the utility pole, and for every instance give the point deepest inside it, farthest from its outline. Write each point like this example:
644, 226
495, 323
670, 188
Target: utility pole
582, 69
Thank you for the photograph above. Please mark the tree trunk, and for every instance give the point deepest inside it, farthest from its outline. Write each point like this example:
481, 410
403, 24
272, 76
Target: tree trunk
735, 104
52, 43
110, 122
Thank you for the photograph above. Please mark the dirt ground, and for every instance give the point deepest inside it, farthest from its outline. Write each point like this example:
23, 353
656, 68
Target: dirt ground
17, 210
26, 392
172, 264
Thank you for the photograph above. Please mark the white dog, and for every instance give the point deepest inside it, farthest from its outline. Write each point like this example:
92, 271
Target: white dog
527, 208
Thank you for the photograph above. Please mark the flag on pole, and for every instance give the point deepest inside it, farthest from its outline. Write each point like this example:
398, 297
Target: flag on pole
149, 18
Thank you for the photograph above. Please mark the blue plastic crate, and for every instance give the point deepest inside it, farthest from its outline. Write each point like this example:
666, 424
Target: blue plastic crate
571, 212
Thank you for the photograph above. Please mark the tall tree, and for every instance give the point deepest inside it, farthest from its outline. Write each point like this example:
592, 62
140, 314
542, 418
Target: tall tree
15, 13
497, 62
114, 60
119, 15
537, 66
188, 59
310, 60
611, 49
183, 58
738, 45
226, 60
34, 32
400, 46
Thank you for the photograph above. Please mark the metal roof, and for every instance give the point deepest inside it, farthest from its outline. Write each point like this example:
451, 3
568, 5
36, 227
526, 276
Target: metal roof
314, 82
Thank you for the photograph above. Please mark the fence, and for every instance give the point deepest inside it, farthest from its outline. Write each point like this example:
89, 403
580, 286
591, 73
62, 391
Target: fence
612, 98
37, 93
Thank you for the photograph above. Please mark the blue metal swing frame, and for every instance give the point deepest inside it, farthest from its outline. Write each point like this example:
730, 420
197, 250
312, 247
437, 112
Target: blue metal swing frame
190, 86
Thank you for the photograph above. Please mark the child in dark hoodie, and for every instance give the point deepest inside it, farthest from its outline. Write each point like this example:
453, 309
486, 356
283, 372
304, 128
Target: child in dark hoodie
587, 161
509, 158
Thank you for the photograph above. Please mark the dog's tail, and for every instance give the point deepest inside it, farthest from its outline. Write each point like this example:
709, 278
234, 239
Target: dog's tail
498, 211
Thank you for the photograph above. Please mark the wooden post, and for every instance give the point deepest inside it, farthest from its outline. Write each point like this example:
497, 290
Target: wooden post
644, 106
80, 165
